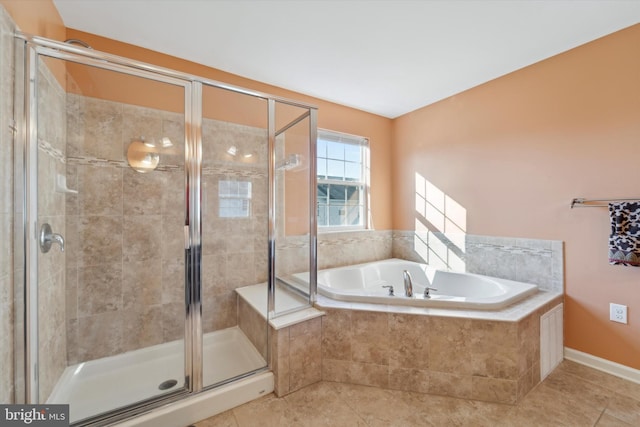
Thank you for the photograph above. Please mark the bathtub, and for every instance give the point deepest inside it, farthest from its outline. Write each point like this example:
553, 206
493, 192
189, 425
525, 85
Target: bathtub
105, 384
364, 283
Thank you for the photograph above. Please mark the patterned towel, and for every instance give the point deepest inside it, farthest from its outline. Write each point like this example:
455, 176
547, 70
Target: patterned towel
624, 241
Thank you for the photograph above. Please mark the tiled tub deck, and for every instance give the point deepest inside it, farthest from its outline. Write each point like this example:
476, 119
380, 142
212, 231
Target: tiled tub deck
484, 355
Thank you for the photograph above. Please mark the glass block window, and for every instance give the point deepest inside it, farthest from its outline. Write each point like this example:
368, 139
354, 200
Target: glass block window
342, 172
234, 199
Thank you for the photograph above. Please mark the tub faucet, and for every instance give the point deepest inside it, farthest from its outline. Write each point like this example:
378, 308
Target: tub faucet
408, 286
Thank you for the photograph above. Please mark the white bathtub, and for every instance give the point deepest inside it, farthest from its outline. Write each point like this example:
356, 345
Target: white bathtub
112, 382
364, 283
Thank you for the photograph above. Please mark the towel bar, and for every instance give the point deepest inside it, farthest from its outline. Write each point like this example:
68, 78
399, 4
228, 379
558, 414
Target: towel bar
582, 203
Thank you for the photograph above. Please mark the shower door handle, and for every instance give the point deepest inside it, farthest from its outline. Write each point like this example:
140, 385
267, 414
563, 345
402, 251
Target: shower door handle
47, 238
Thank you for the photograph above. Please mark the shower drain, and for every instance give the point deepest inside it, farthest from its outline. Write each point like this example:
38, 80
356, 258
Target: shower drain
166, 385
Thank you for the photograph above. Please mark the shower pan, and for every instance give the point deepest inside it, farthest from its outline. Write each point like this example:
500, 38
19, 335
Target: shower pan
149, 196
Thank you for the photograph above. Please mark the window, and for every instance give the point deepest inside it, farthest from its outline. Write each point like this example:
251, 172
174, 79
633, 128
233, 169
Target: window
234, 199
342, 163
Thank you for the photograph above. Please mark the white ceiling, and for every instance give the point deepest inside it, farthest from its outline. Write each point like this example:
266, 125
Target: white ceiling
387, 57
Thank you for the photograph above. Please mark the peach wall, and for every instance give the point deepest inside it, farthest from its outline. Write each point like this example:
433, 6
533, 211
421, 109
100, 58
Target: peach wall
514, 151
330, 116
39, 17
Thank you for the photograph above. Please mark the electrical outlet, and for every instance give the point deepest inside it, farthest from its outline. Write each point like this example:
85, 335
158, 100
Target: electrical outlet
618, 313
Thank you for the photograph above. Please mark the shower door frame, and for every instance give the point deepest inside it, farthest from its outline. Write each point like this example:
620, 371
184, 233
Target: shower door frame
29, 50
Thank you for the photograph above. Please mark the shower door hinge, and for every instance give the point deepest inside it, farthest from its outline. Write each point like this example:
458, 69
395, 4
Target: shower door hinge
187, 243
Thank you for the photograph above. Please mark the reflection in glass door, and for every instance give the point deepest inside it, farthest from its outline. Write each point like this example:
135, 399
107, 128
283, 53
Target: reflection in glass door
110, 219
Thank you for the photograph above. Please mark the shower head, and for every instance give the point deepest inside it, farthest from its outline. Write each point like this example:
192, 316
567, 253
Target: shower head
78, 42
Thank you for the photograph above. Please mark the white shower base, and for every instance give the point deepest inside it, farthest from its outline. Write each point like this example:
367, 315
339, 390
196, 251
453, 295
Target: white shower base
112, 382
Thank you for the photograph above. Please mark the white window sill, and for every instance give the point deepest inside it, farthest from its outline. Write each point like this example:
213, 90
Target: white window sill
338, 229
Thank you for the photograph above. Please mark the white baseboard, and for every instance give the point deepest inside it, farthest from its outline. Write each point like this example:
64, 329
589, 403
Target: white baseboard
603, 365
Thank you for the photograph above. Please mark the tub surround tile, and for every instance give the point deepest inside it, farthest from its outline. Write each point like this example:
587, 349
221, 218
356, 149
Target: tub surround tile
305, 362
369, 374
296, 355
529, 260
494, 390
449, 349
369, 337
409, 341
338, 249
415, 380
336, 335
478, 359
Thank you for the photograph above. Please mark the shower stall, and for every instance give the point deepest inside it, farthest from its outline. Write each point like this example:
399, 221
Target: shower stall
147, 196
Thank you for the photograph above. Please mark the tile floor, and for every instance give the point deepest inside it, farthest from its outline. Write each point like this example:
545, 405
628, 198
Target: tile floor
573, 395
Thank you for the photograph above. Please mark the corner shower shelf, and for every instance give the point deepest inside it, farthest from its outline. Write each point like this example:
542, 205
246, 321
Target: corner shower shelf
61, 185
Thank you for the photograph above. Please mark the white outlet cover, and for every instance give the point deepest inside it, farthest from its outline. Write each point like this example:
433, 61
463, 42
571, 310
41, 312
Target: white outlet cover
618, 313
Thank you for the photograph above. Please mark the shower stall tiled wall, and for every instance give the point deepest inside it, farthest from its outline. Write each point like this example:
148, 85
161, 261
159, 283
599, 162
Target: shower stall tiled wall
128, 228
6, 208
124, 275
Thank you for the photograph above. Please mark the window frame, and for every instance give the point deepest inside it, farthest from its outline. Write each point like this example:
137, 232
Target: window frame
363, 182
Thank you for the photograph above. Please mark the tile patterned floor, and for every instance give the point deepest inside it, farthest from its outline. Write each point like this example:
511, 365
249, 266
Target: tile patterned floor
573, 395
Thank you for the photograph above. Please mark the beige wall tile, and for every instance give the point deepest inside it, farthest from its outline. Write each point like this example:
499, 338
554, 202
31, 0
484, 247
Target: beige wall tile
369, 374
280, 360
409, 379
305, 356
253, 325
336, 334
336, 370
449, 384
408, 341
449, 343
370, 337
494, 349
494, 390
99, 190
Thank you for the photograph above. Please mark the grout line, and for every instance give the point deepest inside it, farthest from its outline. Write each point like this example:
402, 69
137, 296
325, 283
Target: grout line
600, 417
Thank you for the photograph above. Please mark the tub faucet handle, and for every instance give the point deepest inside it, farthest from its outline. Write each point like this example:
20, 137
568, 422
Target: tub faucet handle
390, 289
426, 291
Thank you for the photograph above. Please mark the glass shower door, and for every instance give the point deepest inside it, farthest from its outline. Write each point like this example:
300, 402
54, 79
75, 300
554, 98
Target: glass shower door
109, 151
234, 234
